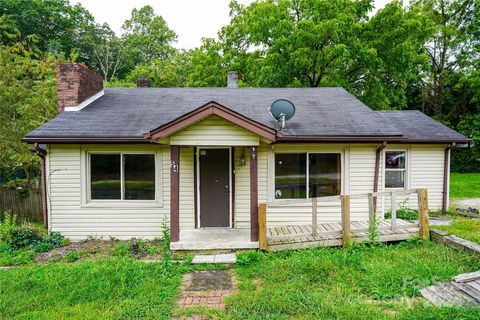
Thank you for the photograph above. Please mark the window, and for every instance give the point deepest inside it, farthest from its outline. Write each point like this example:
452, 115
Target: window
293, 182
122, 176
395, 169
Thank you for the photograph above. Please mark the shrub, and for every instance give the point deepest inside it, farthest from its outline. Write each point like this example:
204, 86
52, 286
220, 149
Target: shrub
57, 239
25, 237
8, 222
122, 249
71, 256
44, 247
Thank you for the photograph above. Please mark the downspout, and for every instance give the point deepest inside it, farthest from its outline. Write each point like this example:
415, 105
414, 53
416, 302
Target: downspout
42, 153
377, 171
446, 171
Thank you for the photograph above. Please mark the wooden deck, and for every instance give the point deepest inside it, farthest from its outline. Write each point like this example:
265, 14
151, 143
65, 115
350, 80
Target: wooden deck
463, 289
330, 234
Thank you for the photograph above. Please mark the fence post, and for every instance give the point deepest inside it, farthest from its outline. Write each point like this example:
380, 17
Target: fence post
314, 217
423, 219
345, 200
262, 226
393, 207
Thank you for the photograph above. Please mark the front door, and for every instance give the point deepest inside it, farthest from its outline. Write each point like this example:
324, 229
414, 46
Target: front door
214, 182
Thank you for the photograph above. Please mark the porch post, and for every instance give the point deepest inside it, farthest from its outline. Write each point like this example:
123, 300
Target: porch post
253, 195
174, 193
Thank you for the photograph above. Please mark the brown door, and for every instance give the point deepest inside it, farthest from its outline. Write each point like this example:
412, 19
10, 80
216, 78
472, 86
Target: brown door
214, 187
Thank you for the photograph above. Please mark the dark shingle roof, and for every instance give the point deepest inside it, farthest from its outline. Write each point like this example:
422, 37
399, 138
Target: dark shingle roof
131, 112
417, 126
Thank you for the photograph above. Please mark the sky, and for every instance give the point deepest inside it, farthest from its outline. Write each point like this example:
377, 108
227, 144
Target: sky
190, 19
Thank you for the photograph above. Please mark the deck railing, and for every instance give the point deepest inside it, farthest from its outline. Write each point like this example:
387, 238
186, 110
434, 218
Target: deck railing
347, 230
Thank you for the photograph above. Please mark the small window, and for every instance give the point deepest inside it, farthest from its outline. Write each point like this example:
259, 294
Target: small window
122, 176
395, 169
293, 182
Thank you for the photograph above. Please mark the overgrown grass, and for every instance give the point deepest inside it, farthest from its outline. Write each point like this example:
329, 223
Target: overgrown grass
360, 282
115, 288
464, 228
464, 185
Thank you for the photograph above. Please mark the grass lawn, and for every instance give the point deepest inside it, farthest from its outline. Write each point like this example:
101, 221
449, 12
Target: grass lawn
356, 283
464, 185
464, 228
359, 282
114, 288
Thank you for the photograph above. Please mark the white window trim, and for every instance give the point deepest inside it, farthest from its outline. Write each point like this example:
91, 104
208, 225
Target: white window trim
407, 168
342, 170
86, 200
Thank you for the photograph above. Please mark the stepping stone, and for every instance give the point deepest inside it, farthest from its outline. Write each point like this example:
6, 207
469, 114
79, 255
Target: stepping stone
228, 258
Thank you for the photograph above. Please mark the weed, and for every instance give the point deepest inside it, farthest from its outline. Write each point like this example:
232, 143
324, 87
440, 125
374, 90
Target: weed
43, 247
72, 256
167, 254
8, 223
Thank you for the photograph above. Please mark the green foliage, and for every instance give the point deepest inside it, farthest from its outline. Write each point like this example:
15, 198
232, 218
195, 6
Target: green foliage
44, 247
167, 254
373, 232
146, 37
8, 223
72, 256
464, 185
360, 282
27, 100
121, 249
248, 257
57, 239
102, 289
25, 237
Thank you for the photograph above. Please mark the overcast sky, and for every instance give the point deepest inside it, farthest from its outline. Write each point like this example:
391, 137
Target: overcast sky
190, 19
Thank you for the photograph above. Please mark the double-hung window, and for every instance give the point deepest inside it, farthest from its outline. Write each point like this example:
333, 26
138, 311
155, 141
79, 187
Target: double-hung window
395, 169
122, 176
307, 175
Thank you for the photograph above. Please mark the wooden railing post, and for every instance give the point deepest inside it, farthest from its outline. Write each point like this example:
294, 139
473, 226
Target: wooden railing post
393, 207
262, 226
314, 217
423, 219
345, 200
371, 209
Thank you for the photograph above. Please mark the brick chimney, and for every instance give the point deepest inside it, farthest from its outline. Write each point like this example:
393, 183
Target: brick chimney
77, 86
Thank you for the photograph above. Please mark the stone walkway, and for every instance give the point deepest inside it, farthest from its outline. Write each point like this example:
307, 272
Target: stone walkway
206, 289
465, 203
227, 258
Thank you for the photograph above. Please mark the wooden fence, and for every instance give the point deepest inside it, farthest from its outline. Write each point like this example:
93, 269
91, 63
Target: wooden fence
423, 218
25, 203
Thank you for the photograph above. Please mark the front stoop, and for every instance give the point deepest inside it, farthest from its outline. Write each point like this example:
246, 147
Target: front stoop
228, 258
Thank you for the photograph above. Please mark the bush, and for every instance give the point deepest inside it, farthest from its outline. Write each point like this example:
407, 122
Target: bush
8, 223
25, 237
57, 239
71, 256
44, 247
465, 160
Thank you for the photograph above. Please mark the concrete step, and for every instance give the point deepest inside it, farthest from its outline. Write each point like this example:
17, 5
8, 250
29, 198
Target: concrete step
228, 258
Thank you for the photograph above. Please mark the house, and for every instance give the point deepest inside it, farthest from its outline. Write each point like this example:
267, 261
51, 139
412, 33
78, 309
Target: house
120, 162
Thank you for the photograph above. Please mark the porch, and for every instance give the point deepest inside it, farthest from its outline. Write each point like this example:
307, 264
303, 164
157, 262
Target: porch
381, 228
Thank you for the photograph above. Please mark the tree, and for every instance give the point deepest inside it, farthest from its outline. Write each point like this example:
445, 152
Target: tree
27, 100
453, 46
147, 37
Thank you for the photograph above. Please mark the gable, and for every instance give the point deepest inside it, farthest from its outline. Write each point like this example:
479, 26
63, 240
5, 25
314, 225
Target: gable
213, 131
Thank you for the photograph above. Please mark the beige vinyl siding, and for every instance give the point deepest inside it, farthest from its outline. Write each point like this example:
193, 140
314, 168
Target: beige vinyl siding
187, 190
77, 220
362, 171
242, 189
214, 131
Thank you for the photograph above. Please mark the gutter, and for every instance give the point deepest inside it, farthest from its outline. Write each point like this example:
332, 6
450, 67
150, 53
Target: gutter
446, 176
377, 171
42, 154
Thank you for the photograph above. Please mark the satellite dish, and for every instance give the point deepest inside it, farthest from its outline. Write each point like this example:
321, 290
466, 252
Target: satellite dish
282, 110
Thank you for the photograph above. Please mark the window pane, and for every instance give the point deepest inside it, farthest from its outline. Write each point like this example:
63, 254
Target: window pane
290, 176
395, 160
139, 175
395, 179
105, 176
324, 174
